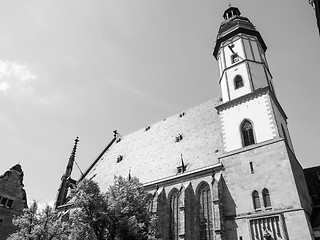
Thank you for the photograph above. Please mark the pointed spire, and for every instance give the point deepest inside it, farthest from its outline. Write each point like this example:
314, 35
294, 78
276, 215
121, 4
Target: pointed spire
66, 180
182, 165
72, 157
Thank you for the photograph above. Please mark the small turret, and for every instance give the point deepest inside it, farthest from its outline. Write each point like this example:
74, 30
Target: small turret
234, 24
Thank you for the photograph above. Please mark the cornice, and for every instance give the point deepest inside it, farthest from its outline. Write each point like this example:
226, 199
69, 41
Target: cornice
234, 31
242, 61
243, 98
250, 147
269, 213
183, 177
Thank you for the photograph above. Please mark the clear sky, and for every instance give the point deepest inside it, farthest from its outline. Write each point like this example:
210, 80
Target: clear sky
84, 68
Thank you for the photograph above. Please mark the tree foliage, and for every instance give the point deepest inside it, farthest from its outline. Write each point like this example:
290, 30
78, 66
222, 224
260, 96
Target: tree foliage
35, 224
119, 214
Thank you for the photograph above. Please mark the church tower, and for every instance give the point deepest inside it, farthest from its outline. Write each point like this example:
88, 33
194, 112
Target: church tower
250, 111
265, 194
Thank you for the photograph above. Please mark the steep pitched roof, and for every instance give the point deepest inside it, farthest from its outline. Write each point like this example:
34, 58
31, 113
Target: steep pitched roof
152, 153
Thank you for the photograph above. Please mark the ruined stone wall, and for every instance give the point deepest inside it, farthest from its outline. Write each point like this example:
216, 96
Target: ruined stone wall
12, 199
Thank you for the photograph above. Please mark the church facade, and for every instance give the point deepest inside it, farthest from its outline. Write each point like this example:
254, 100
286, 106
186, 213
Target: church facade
225, 169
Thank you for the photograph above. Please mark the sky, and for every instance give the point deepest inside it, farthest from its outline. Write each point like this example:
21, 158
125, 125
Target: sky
85, 68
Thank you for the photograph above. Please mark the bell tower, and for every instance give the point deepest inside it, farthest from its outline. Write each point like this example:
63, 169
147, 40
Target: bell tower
250, 111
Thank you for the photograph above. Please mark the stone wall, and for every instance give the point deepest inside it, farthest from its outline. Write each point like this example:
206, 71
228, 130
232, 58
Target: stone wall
12, 199
274, 169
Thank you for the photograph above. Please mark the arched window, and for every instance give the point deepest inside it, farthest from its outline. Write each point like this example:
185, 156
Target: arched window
247, 133
205, 212
149, 202
266, 198
174, 214
256, 200
238, 82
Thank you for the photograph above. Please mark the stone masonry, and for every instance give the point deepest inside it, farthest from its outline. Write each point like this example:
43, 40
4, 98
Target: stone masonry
12, 199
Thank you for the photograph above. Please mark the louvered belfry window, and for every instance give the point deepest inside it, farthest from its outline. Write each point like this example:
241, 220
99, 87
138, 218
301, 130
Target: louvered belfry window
174, 215
205, 213
238, 82
247, 133
266, 198
256, 200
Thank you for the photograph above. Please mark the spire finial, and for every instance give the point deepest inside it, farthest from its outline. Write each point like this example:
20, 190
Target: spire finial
115, 133
73, 153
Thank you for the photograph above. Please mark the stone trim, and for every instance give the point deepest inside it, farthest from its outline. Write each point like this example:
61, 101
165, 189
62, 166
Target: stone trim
272, 117
183, 177
250, 147
253, 215
243, 98
97, 159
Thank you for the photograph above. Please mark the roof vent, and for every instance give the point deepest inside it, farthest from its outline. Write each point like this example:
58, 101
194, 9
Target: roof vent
182, 114
147, 128
119, 158
179, 138
118, 140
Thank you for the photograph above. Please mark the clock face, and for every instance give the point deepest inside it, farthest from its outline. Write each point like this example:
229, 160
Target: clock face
234, 58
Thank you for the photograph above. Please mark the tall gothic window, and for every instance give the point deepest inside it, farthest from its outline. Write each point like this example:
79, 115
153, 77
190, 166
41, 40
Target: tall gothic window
266, 198
149, 202
238, 82
174, 215
256, 200
205, 212
247, 133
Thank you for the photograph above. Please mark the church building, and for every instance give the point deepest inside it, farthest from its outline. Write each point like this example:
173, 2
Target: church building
225, 169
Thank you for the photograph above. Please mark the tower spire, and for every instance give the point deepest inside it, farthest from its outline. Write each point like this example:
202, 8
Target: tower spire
66, 181
72, 158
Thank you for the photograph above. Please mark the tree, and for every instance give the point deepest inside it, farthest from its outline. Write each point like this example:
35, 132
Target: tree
35, 224
119, 214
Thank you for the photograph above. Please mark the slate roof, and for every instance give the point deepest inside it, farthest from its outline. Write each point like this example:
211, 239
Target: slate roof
154, 153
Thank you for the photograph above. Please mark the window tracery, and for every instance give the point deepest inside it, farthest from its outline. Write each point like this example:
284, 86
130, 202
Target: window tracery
247, 133
205, 212
256, 200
